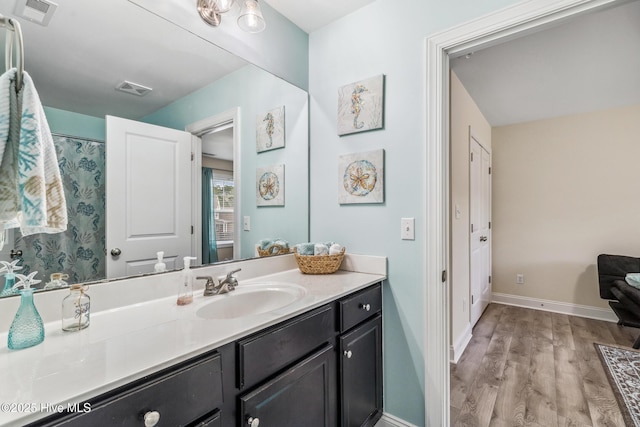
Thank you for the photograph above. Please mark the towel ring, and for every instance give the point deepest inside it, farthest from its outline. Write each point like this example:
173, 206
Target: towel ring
13, 28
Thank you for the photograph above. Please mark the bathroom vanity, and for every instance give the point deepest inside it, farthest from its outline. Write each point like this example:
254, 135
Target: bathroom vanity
314, 362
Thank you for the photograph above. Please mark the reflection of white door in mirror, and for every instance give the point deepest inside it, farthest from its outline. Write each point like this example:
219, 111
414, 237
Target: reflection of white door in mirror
149, 207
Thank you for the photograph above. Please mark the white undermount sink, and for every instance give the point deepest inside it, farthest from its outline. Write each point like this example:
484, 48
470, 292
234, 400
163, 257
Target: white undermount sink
250, 300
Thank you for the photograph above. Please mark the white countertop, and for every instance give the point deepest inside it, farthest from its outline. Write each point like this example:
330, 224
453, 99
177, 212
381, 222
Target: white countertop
126, 343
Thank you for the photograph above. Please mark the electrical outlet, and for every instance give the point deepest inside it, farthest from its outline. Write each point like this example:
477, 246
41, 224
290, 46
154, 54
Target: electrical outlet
520, 279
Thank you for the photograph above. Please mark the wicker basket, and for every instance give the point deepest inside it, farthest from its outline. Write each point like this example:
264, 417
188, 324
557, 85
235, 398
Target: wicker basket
318, 264
273, 250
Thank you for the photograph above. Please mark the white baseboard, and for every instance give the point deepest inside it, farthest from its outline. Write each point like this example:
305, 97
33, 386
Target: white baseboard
556, 307
389, 420
456, 350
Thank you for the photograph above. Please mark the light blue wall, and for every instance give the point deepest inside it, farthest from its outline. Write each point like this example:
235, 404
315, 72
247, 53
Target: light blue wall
75, 124
255, 92
385, 37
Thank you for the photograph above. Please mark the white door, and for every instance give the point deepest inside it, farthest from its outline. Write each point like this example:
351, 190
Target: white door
480, 217
148, 187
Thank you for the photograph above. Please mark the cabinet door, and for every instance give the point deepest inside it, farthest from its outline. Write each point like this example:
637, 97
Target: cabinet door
361, 374
304, 395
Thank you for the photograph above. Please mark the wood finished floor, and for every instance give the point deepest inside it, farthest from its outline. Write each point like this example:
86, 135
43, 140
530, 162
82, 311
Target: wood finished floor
527, 367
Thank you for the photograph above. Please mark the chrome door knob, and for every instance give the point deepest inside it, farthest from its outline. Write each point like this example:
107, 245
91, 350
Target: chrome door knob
15, 254
348, 354
253, 422
151, 418
116, 252
366, 307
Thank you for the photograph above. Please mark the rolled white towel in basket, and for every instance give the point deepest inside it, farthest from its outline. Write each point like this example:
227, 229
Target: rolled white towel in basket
335, 249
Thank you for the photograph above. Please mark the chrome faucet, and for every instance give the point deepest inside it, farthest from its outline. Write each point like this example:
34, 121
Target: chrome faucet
221, 285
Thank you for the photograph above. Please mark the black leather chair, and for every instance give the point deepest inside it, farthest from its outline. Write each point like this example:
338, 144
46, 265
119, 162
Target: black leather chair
623, 298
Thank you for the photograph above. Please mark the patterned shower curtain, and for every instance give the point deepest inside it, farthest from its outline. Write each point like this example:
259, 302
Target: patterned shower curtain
79, 251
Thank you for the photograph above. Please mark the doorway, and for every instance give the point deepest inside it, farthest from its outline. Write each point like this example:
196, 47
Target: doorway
219, 151
491, 29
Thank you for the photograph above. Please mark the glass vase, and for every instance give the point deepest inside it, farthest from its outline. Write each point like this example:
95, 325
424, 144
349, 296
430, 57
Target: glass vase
9, 281
27, 328
76, 308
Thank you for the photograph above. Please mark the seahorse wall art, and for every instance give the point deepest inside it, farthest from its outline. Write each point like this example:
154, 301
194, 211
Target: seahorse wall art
361, 177
270, 130
361, 106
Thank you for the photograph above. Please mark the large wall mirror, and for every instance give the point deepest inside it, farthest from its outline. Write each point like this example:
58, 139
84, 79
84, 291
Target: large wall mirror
128, 95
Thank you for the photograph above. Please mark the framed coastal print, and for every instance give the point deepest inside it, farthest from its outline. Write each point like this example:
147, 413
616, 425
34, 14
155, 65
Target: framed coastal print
270, 130
361, 106
270, 186
361, 177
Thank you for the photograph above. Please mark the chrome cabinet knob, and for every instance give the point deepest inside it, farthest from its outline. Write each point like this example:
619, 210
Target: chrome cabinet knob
116, 252
253, 422
348, 354
366, 307
151, 418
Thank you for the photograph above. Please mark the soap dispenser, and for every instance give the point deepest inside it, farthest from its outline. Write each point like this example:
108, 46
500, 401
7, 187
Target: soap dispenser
185, 293
160, 265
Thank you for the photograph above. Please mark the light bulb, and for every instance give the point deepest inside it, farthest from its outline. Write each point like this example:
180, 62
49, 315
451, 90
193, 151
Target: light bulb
250, 19
224, 5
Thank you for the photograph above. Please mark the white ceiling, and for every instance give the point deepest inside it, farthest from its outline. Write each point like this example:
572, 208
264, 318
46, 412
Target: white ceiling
587, 64
311, 15
91, 46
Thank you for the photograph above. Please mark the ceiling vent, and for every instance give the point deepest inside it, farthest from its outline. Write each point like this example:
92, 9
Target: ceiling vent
38, 11
133, 88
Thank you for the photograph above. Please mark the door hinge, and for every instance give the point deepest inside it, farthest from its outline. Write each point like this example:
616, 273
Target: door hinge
489, 279
489, 225
472, 228
489, 170
192, 157
192, 229
471, 299
472, 156
444, 276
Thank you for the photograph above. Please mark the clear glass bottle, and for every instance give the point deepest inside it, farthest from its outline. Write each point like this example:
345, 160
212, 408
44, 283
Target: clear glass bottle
76, 308
57, 281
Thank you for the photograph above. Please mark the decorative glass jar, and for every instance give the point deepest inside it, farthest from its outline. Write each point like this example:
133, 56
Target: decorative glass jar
76, 308
27, 328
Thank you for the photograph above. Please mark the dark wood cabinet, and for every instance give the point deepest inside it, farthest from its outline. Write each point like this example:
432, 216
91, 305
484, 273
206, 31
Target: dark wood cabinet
303, 395
322, 368
361, 374
178, 396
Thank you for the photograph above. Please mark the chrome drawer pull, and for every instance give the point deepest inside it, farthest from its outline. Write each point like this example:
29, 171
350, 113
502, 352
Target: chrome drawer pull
366, 307
253, 422
151, 418
348, 354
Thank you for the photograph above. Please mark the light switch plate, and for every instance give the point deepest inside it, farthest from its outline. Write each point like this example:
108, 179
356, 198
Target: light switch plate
408, 229
247, 223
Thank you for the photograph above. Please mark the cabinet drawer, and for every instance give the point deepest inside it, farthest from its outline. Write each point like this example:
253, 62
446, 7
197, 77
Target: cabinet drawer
359, 307
270, 351
179, 397
303, 395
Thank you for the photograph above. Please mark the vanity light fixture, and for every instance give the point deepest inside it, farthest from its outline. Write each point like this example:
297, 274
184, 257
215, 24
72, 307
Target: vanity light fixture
249, 20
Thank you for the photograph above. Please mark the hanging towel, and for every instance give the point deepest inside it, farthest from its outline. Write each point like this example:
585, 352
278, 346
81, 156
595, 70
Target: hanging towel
40, 198
9, 138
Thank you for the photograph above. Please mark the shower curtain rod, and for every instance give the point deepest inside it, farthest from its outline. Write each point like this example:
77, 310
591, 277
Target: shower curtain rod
13, 25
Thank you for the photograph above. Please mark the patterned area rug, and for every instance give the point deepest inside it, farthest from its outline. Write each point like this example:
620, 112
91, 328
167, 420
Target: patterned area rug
622, 366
